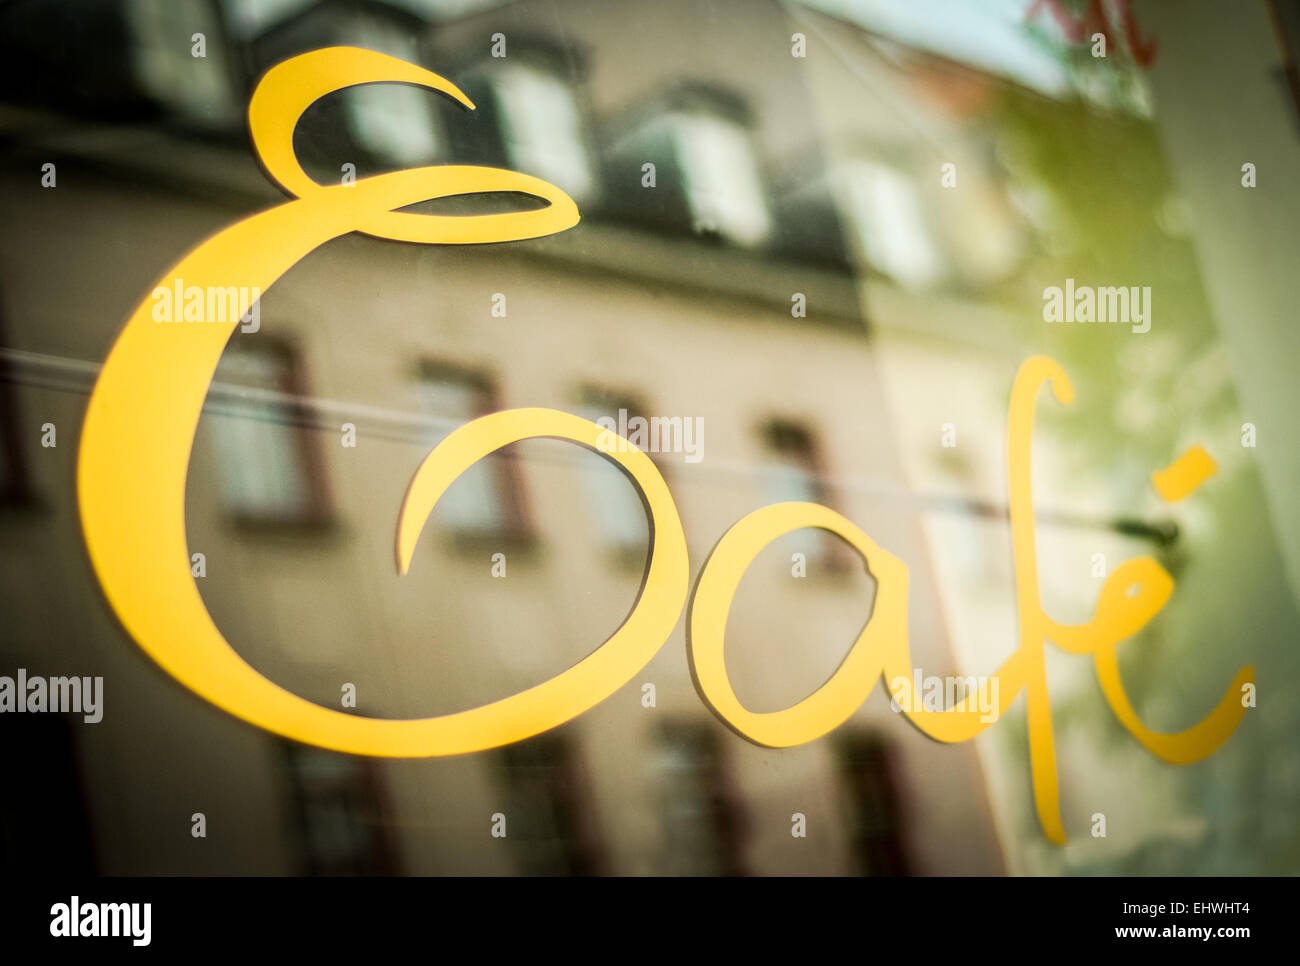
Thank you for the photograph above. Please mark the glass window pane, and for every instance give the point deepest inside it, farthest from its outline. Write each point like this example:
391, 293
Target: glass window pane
700, 820
789, 474
162, 32
722, 178
614, 501
475, 503
394, 121
543, 129
259, 449
891, 224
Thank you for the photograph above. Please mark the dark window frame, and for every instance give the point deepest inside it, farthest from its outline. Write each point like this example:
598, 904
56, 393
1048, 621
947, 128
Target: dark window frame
366, 802
726, 818
552, 763
17, 488
868, 775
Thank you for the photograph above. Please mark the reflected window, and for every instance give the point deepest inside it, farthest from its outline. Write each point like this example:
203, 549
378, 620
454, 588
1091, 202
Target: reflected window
708, 179
1286, 21
15, 486
723, 186
613, 499
791, 473
702, 824
549, 823
8, 476
200, 88
267, 461
868, 781
341, 816
248, 18
487, 499
890, 223
395, 122
542, 127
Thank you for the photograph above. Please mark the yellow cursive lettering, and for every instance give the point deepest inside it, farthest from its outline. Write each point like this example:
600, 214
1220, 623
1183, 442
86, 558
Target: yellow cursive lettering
145, 408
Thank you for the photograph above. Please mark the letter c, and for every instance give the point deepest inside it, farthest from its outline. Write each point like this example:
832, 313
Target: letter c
145, 408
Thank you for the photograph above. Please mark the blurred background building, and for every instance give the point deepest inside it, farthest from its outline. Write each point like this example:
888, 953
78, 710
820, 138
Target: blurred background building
823, 230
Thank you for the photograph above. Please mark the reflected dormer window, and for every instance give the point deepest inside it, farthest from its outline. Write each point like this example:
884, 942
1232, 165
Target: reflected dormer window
542, 128
889, 222
722, 182
248, 18
165, 52
394, 122
708, 181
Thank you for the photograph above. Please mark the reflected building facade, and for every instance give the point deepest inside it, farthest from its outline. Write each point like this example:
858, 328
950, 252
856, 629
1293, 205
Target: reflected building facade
762, 250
